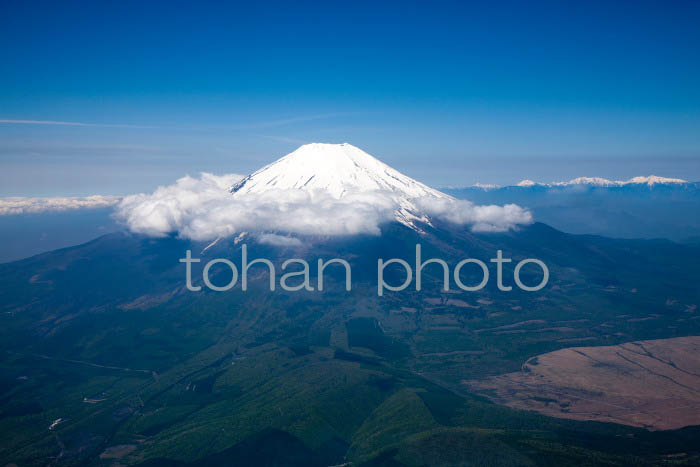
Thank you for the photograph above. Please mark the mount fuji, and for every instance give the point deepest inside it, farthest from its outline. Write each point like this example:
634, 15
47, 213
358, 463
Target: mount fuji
319, 189
338, 169
341, 171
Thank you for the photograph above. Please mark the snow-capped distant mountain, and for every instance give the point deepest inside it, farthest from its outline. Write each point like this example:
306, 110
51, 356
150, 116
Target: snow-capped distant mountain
651, 180
597, 181
654, 180
339, 171
524, 183
646, 207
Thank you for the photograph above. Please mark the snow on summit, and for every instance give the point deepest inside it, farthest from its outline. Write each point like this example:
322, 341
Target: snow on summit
337, 169
654, 180
319, 189
651, 180
340, 171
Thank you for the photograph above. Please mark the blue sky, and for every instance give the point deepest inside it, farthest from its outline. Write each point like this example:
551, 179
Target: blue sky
449, 93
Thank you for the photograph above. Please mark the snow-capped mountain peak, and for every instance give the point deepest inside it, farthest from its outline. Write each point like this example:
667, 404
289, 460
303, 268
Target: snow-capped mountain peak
527, 183
651, 180
654, 180
597, 181
341, 171
334, 169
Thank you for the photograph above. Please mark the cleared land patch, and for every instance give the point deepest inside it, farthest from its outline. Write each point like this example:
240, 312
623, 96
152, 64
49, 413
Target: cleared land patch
653, 384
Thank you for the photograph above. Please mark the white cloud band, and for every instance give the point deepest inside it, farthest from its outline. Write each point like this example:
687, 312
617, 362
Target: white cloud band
21, 205
203, 209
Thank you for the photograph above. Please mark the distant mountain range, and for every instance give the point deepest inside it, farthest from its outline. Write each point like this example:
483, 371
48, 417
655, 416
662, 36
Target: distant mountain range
642, 207
651, 180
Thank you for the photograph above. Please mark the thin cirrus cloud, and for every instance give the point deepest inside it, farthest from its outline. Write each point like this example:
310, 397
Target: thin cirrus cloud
239, 126
62, 123
291, 120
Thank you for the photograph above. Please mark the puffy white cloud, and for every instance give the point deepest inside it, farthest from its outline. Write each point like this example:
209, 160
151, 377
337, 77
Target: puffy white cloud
21, 205
278, 240
203, 209
482, 218
181, 207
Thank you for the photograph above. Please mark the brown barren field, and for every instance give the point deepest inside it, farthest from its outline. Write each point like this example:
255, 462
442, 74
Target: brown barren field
653, 384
